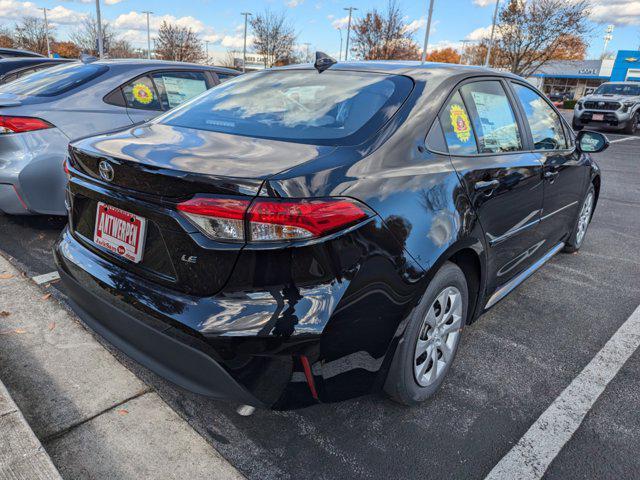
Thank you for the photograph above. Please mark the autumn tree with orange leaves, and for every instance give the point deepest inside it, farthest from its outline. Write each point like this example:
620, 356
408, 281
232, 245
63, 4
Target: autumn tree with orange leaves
384, 36
444, 55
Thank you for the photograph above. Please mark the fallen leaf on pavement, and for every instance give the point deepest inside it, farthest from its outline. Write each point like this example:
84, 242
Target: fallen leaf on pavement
122, 411
46, 296
4, 313
6, 276
15, 330
52, 325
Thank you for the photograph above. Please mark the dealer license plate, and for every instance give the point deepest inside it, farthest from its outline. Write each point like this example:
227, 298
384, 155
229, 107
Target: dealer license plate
120, 232
598, 117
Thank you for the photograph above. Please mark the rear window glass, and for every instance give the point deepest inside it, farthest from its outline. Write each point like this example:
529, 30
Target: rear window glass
55, 80
297, 105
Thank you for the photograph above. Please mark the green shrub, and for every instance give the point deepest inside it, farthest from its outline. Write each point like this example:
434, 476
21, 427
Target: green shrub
569, 104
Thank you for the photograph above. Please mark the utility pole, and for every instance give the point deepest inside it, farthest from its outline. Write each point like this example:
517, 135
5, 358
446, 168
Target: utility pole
306, 58
463, 56
493, 28
346, 50
100, 40
46, 29
244, 49
340, 51
426, 33
608, 36
148, 35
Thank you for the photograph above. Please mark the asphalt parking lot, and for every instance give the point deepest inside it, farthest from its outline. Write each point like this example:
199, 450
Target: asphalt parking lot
511, 366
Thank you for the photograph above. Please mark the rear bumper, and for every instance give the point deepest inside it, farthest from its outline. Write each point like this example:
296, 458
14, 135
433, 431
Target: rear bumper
213, 346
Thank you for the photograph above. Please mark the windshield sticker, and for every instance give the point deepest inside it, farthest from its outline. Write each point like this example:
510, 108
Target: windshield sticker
460, 123
142, 93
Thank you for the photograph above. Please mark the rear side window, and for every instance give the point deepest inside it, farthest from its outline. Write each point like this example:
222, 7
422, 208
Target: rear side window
544, 122
175, 88
55, 80
141, 93
492, 117
223, 77
456, 125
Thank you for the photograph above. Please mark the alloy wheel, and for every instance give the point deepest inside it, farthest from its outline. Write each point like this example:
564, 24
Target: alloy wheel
438, 337
584, 218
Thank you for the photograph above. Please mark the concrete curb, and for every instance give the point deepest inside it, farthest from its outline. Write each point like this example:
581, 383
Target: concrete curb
21, 454
95, 418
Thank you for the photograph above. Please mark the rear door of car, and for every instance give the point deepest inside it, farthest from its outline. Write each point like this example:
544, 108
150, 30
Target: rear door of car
564, 172
155, 92
503, 180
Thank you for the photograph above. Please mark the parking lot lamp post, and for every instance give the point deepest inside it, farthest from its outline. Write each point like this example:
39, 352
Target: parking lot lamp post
493, 28
46, 29
99, 20
244, 48
148, 35
427, 31
346, 50
340, 51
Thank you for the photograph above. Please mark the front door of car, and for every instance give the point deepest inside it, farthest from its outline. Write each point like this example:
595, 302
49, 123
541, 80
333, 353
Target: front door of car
564, 172
156, 92
503, 181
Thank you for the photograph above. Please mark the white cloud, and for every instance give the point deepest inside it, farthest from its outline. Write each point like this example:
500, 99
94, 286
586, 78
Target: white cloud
133, 26
236, 41
416, 25
14, 10
479, 34
616, 12
339, 23
294, 3
484, 3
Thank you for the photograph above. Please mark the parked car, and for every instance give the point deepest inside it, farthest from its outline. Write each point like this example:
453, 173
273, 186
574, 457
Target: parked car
16, 52
558, 99
13, 68
614, 105
41, 112
294, 237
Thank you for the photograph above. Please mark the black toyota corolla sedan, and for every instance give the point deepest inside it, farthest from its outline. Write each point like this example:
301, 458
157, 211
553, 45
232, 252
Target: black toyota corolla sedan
313, 233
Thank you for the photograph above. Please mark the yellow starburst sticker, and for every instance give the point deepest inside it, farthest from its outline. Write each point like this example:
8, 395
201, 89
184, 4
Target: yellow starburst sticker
142, 93
460, 122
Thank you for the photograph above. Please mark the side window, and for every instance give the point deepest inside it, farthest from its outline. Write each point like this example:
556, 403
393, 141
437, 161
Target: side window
492, 117
141, 94
457, 127
223, 77
179, 86
546, 126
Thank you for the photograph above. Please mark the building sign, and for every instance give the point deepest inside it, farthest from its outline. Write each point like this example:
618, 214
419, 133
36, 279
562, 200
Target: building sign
588, 71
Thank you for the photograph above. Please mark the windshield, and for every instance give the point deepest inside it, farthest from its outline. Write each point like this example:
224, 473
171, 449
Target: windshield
297, 105
618, 89
55, 80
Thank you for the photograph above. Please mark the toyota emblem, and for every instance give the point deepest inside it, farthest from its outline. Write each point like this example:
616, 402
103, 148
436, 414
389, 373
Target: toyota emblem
106, 170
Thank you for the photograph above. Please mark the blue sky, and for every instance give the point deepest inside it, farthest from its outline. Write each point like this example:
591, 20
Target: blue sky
315, 20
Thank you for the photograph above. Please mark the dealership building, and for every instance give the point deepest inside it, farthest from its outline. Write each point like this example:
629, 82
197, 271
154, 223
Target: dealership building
581, 77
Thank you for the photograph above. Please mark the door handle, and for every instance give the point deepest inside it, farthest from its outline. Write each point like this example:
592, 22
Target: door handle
550, 174
489, 185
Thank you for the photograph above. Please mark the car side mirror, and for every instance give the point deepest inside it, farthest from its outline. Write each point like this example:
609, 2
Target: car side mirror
591, 142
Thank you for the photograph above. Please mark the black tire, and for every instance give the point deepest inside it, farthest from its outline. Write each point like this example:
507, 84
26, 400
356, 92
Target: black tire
576, 240
401, 384
632, 125
576, 126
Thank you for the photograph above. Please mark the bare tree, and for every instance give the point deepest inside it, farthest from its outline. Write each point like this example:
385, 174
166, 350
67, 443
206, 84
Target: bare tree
274, 37
531, 33
7, 39
384, 35
31, 34
178, 43
229, 59
121, 49
85, 36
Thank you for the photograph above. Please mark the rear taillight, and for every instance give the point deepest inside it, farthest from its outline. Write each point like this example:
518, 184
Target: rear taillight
269, 220
22, 124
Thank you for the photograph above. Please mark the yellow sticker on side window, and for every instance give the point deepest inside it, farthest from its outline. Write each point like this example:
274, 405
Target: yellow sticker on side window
460, 122
142, 93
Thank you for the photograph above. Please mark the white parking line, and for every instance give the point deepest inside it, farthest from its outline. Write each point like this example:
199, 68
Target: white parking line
532, 455
624, 139
47, 277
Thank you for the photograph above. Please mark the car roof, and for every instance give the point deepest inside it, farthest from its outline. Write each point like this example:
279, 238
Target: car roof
143, 62
38, 60
406, 67
17, 51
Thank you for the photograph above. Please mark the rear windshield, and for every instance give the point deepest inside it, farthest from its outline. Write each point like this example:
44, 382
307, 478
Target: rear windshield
618, 89
55, 80
297, 105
